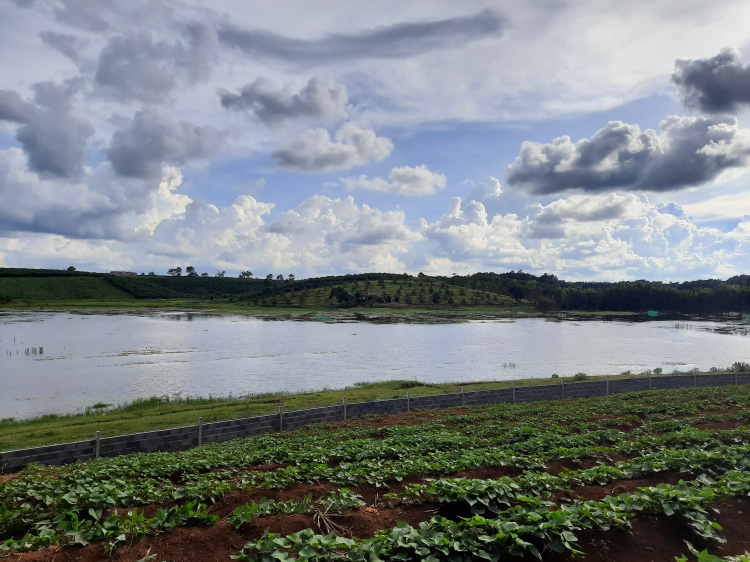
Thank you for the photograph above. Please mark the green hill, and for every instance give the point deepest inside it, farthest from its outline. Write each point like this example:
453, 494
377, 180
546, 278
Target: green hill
45, 285
44, 289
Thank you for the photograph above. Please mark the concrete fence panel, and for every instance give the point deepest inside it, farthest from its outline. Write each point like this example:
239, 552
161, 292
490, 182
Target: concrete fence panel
183, 438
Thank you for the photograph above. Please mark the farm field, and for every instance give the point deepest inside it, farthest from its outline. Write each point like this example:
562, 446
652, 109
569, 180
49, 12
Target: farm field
654, 476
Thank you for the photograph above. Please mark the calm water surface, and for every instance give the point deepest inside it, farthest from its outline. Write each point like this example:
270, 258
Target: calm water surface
90, 358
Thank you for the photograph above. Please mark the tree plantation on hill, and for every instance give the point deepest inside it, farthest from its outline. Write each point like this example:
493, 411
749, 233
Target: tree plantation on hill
505, 291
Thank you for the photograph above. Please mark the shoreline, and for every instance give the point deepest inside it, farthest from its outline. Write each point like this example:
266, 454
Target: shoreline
155, 413
381, 315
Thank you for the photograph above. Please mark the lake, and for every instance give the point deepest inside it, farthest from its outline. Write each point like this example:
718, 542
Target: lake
112, 358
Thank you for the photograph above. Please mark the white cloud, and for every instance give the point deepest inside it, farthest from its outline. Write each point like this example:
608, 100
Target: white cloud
608, 237
588, 237
98, 205
314, 151
404, 181
165, 202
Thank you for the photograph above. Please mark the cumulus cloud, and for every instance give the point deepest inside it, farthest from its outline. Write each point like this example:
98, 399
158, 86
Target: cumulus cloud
553, 219
321, 234
394, 41
94, 205
314, 151
719, 84
585, 236
68, 45
152, 139
226, 237
55, 144
483, 191
84, 14
164, 202
134, 66
687, 151
14, 109
52, 138
404, 181
316, 100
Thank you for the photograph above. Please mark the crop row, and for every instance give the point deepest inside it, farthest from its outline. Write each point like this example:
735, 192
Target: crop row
68, 505
534, 526
32, 498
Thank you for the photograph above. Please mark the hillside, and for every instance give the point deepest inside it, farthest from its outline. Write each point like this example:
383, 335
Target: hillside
73, 288
511, 289
35, 286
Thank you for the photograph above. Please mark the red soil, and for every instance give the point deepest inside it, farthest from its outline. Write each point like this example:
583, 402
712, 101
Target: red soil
650, 540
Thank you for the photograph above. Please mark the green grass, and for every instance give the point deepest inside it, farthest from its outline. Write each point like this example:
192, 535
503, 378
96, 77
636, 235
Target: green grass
40, 290
164, 412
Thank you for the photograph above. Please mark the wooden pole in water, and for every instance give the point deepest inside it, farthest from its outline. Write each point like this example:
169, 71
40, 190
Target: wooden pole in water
200, 431
98, 444
344, 408
281, 418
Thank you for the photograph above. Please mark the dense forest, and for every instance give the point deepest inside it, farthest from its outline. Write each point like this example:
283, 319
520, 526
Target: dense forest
546, 291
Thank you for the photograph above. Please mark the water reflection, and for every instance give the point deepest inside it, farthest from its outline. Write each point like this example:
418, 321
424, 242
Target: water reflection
90, 358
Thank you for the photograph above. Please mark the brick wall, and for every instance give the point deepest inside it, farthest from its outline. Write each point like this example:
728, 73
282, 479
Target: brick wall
182, 438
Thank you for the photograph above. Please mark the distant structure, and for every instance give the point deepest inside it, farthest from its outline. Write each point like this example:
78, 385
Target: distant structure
124, 273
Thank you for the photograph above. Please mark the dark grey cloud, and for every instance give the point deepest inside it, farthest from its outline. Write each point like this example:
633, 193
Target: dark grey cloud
57, 96
85, 14
688, 151
96, 205
14, 109
720, 84
315, 100
68, 45
151, 139
134, 66
394, 41
55, 143
54, 140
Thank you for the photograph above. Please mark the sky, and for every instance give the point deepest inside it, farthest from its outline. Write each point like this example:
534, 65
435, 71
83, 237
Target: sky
592, 140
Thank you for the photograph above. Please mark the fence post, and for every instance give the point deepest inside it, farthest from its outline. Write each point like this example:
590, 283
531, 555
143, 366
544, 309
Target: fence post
98, 444
694, 384
200, 431
463, 397
408, 406
735, 378
344, 408
514, 392
607, 385
649, 382
562, 387
281, 418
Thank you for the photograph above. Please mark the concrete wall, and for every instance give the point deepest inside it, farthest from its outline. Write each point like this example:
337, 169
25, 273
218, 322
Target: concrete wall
182, 438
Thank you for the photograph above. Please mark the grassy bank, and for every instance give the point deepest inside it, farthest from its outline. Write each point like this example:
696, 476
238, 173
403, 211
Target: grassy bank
165, 412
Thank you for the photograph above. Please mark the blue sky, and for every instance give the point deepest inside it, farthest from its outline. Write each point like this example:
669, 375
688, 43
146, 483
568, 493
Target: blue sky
587, 140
